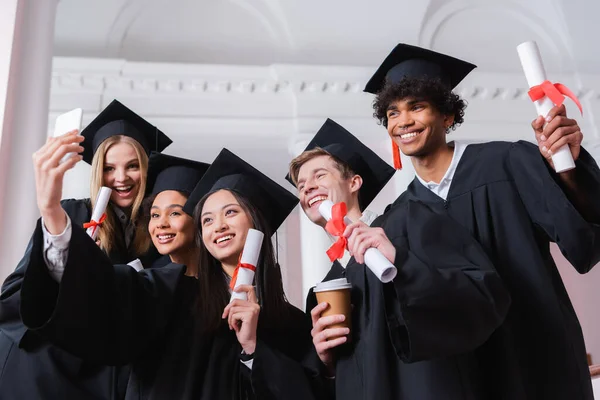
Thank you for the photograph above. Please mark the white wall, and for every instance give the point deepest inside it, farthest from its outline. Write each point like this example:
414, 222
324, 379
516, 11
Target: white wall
265, 113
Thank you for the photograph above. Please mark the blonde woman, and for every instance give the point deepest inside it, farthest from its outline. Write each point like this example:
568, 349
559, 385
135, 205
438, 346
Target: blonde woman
116, 143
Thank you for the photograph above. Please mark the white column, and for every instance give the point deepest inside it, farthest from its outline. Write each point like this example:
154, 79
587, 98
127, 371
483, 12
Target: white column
314, 244
403, 177
26, 45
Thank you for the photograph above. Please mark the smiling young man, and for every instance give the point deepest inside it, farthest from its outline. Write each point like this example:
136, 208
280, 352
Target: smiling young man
337, 166
446, 300
513, 202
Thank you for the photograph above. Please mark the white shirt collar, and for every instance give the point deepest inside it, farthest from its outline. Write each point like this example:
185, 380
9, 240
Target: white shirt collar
442, 187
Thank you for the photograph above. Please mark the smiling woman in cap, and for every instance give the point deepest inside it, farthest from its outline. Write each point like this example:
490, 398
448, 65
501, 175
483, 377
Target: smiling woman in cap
170, 183
117, 143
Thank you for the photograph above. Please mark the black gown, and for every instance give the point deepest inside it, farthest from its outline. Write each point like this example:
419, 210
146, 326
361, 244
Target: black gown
414, 338
30, 366
512, 203
113, 315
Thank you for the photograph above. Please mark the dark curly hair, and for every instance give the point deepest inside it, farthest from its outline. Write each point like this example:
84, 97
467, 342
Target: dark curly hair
421, 89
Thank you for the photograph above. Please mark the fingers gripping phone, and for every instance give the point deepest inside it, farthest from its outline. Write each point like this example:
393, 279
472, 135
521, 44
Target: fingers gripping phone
68, 122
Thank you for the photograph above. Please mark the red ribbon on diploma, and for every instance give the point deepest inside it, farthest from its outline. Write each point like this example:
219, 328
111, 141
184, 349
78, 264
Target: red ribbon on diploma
556, 92
95, 224
235, 272
336, 227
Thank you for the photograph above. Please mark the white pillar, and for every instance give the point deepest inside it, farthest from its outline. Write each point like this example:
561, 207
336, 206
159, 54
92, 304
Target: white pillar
403, 177
314, 244
26, 46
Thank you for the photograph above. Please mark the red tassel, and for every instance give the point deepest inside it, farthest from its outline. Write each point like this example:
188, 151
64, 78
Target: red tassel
396, 155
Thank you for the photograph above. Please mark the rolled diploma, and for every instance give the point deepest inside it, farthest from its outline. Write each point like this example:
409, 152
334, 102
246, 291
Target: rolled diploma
532, 64
99, 210
383, 269
136, 264
250, 256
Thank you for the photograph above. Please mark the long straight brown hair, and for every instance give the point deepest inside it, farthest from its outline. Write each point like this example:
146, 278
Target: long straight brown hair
214, 290
108, 230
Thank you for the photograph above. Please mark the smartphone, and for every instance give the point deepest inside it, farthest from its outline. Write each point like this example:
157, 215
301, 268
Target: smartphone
68, 122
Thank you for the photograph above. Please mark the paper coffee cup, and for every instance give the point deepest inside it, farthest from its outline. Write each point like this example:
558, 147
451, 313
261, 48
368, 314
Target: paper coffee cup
337, 294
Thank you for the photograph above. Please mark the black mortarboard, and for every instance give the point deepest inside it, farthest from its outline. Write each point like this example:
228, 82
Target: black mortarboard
116, 119
173, 173
228, 171
337, 141
416, 62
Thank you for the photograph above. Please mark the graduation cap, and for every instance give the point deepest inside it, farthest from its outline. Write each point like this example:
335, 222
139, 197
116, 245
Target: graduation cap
416, 62
116, 119
340, 143
173, 173
228, 171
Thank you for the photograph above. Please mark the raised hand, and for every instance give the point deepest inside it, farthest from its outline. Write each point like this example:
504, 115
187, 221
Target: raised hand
242, 317
49, 173
362, 237
560, 130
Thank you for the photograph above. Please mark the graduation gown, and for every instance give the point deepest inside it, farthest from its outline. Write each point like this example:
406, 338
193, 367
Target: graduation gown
512, 203
413, 338
112, 315
30, 366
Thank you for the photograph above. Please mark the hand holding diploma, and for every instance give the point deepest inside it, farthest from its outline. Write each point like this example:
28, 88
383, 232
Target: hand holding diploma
242, 317
546, 95
557, 131
49, 173
362, 237
364, 248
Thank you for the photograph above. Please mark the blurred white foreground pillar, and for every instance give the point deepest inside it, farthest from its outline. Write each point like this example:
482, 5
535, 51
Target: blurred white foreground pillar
26, 46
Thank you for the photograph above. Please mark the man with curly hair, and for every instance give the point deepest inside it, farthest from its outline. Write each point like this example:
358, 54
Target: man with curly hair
513, 202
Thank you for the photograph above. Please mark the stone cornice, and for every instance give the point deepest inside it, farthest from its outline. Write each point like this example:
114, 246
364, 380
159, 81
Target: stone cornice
290, 100
98, 76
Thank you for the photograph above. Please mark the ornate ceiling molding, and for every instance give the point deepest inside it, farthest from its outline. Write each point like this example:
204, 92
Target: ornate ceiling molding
480, 87
291, 98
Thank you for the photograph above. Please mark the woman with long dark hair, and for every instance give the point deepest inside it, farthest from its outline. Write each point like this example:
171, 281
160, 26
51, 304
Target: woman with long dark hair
173, 325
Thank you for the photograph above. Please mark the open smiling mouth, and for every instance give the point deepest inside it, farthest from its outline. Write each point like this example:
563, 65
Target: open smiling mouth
315, 200
224, 239
408, 137
165, 238
123, 191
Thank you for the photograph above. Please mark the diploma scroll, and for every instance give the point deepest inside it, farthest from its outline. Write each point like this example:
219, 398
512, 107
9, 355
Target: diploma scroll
383, 269
533, 67
245, 270
98, 212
